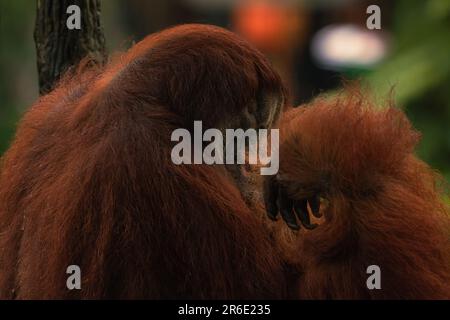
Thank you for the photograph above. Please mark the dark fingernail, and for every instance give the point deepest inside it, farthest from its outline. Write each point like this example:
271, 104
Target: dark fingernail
314, 204
310, 226
293, 226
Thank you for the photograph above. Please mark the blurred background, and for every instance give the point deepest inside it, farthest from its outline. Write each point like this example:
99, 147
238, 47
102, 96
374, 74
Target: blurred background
313, 44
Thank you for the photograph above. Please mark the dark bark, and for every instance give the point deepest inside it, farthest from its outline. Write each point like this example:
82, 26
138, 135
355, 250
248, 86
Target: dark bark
59, 48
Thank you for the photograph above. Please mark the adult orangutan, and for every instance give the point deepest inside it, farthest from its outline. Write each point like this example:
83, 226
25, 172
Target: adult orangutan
89, 181
383, 206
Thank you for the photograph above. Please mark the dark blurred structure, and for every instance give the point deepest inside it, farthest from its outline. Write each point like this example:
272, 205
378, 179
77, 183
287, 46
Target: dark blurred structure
68, 47
411, 50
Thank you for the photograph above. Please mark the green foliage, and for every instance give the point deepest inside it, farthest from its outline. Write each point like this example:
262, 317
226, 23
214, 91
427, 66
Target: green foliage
8, 121
16, 47
419, 70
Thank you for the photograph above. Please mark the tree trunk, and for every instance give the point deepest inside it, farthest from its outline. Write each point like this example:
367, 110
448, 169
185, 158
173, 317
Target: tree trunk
59, 48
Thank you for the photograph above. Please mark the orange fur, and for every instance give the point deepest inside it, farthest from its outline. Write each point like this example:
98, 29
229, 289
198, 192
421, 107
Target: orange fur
89, 181
384, 205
